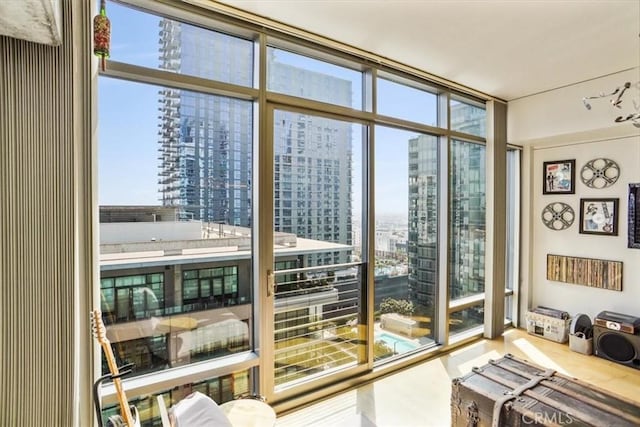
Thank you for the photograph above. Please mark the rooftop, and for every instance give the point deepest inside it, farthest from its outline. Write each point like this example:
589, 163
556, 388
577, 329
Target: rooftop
147, 244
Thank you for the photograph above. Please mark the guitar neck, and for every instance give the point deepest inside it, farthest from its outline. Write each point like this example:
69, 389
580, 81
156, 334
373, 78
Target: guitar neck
125, 410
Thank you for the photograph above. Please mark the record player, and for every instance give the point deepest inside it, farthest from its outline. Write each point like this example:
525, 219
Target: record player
618, 322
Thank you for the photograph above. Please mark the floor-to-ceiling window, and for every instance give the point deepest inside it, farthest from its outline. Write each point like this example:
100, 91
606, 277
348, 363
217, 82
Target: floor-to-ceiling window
467, 214
513, 234
176, 202
406, 241
406, 217
375, 210
317, 198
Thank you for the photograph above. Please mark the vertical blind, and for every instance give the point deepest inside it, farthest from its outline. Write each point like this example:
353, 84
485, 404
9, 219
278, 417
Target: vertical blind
38, 225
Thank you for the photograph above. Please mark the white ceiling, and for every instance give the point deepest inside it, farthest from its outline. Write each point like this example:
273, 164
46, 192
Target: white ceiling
505, 48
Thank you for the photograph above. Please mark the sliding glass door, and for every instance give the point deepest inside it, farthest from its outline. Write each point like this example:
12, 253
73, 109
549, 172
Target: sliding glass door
318, 279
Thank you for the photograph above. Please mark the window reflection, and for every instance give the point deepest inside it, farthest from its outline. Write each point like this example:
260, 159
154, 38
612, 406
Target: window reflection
221, 389
466, 319
468, 118
155, 335
305, 77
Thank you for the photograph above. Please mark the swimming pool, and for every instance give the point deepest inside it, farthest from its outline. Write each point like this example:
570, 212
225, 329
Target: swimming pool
399, 345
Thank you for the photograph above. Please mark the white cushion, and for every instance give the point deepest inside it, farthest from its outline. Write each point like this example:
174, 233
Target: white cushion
198, 410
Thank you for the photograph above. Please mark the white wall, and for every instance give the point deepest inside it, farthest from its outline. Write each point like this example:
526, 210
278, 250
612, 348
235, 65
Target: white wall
577, 298
560, 117
131, 232
555, 125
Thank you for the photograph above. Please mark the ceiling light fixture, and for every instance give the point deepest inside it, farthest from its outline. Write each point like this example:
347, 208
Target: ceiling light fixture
616, 102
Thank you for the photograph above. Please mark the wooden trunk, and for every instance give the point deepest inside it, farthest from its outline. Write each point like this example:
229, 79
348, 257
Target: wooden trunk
511, 392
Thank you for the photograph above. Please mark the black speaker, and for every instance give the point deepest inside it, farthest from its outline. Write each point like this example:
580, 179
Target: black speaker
616, 337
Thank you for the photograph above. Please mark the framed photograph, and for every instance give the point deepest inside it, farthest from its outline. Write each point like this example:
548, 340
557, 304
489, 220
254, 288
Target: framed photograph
559, 177
599, 216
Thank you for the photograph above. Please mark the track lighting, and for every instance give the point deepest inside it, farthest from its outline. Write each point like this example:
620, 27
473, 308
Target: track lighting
616, 102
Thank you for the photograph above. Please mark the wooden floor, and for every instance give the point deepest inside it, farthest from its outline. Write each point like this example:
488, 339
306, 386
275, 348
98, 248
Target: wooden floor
420, 396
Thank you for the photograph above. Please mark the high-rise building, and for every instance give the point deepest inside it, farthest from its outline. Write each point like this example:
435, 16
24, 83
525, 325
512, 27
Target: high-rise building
206, 143
205, 140
468, 118
312, 174
165, 307
467, 218
423, 220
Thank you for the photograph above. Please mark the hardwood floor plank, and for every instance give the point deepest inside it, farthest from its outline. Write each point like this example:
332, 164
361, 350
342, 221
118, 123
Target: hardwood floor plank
420, 396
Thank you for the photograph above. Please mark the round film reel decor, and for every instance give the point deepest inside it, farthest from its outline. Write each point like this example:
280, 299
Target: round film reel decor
558, 216
600, 173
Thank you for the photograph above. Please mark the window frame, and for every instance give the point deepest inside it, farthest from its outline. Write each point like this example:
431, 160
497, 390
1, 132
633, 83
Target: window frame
309, 46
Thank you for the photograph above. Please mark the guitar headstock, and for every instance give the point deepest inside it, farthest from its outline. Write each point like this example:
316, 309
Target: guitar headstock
98, 328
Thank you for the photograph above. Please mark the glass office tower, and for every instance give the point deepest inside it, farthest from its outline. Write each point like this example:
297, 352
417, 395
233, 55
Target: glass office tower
423, 222
206, 143
205, 140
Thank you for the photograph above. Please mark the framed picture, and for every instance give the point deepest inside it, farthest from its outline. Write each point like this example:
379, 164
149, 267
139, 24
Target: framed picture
599, 216
559, 177
633, 213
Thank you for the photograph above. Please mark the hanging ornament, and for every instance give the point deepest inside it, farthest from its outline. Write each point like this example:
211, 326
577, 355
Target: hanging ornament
101, 34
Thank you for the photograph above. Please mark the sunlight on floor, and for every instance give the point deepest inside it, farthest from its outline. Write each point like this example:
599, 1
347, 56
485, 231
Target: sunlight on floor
534, 355
331, 412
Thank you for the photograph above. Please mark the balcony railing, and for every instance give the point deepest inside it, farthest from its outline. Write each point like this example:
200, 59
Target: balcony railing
316, 313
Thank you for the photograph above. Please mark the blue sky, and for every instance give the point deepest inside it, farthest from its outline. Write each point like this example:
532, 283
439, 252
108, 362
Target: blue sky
128, 123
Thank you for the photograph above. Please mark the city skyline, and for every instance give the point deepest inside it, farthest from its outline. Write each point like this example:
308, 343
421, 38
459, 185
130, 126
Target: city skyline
205, 165
128, 124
